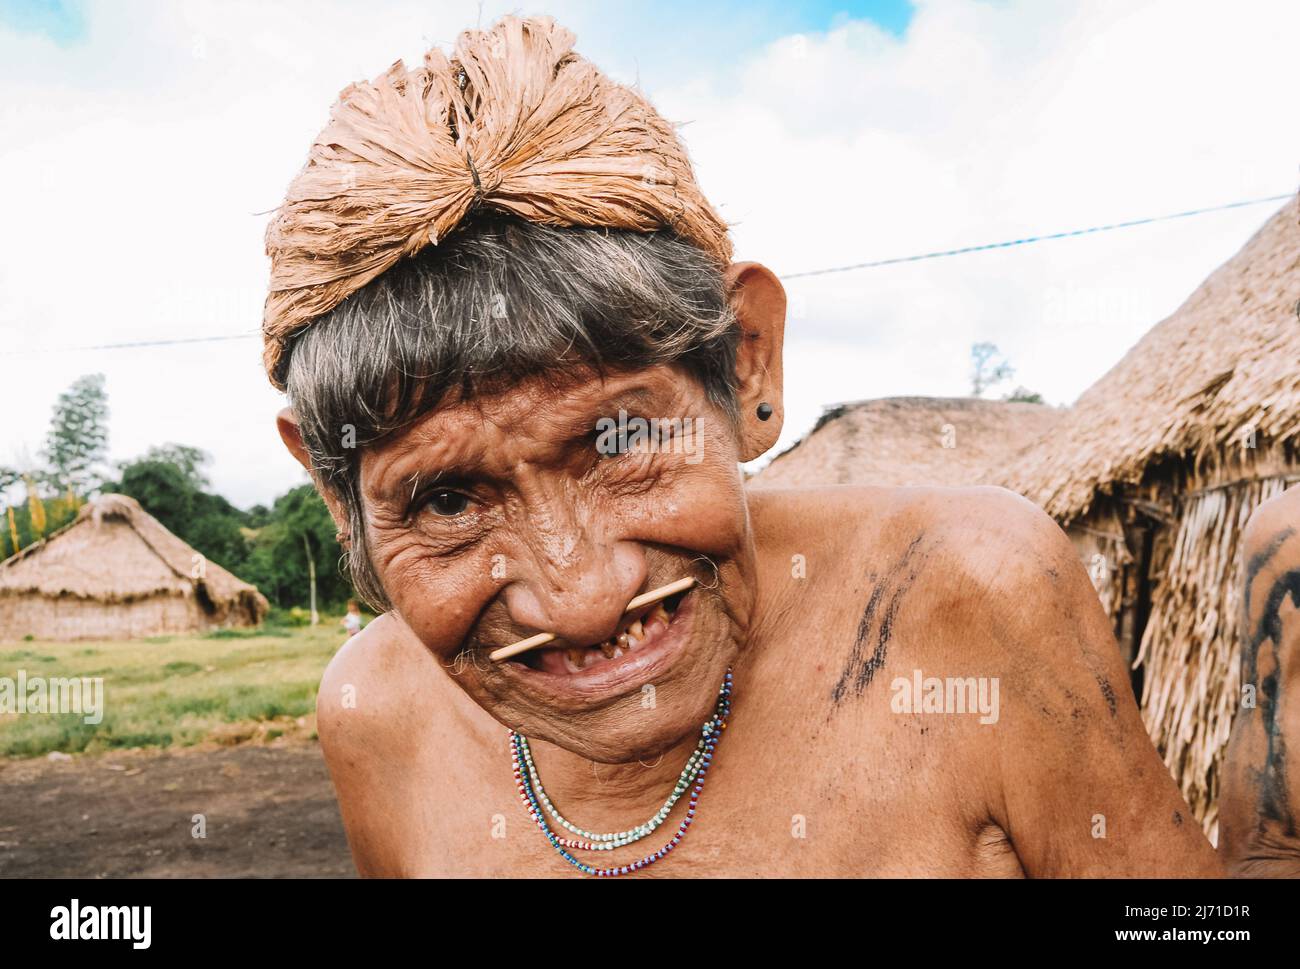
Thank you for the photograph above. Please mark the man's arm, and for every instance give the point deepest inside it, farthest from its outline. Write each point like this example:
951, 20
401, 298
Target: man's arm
366, 722
1260, 802
1083, 791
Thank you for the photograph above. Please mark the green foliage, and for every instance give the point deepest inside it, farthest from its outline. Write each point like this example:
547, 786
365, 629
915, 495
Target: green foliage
190, 461
297, 616
277, 564
1023, 395
58, 512
77, 442
270, 547
258, 516
171, 493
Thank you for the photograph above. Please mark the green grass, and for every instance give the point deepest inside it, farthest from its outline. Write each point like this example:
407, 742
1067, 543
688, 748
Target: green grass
172, 690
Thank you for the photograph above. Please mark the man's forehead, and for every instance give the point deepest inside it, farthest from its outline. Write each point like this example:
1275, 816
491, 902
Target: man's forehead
546, 401
462, 432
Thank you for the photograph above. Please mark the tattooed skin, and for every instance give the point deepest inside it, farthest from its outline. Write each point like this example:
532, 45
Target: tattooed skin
1261, 791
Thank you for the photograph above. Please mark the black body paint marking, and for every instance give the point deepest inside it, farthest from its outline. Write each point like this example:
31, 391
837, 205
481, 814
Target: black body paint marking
1273, 805
1263, 557
859, 670
1107, 691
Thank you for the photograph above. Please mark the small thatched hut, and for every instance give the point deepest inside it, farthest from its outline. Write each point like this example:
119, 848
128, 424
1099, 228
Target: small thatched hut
1155, 471
116, 573
903, 441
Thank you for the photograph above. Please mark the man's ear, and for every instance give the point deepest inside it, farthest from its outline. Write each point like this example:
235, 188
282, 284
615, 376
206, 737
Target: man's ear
758, 300
287, 424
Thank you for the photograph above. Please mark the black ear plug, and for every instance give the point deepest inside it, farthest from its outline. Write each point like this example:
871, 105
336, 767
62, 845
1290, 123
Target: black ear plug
764, 411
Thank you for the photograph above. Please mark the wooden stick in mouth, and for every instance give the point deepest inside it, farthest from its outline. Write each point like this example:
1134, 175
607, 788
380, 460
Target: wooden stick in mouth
644, 599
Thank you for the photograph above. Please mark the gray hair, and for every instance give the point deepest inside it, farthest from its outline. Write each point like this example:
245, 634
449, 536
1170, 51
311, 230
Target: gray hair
499, 301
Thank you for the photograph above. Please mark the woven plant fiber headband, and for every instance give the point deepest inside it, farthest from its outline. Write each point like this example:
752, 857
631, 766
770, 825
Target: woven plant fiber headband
514, 122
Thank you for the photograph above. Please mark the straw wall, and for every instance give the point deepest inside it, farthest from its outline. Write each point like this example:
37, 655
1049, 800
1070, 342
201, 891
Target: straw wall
72, 617
1190, 646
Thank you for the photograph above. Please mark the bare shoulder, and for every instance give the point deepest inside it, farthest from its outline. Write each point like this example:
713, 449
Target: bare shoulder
367, 691
1002, 586
979, 586
971, 576
971, 550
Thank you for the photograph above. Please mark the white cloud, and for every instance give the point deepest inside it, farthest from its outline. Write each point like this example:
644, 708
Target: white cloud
136, 164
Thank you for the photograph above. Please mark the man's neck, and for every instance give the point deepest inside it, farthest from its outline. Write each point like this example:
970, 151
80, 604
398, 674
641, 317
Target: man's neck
610, 797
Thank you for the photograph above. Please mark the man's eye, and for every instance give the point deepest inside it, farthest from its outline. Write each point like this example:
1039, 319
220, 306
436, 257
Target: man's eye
447, 504
613, 449
616, 446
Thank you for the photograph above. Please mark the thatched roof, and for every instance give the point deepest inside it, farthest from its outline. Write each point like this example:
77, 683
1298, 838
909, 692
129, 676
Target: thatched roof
1226, 360
115, 551
899, 441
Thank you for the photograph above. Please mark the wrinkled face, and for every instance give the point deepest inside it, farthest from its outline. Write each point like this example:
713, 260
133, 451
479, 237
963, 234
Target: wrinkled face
528, 511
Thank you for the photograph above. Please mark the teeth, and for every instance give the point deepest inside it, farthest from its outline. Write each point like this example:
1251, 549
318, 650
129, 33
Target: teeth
580, 658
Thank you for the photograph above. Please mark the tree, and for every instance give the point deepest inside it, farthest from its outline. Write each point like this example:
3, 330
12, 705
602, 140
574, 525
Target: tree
292, 549
189, 460
162, 489
985, 370
77, 442
306, 518
1023, 395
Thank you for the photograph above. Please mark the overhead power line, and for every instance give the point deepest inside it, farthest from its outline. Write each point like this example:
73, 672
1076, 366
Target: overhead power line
894, 261
246, 335
944, 253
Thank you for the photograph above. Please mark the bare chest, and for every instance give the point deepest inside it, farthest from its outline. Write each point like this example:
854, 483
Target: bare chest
797, 789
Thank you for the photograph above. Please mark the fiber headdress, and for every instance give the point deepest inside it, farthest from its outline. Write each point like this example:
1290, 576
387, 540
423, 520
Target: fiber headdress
515, 122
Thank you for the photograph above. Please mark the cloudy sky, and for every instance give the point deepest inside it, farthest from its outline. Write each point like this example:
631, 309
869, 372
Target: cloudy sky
142, 144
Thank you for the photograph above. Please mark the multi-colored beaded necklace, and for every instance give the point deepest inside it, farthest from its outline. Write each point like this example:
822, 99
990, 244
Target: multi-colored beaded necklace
692, 778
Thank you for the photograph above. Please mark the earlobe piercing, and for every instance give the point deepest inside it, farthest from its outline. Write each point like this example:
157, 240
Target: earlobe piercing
764, 411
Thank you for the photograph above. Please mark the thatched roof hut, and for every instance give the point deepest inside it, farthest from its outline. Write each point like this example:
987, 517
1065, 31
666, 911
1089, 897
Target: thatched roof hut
1159, 464
116, 573
903, 441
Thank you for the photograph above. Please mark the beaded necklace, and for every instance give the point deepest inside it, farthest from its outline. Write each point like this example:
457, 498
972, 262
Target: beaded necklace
692, 778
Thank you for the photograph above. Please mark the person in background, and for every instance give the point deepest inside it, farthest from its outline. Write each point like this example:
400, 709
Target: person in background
352, 618
1261, 796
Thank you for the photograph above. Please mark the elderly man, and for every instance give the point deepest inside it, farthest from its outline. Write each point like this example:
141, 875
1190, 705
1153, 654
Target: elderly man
523, 372
1260, 802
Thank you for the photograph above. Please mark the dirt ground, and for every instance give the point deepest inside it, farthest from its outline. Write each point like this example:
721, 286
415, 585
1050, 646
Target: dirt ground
269, 811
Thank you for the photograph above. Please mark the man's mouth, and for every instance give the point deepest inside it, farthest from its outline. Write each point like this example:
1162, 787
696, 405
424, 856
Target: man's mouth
637, 632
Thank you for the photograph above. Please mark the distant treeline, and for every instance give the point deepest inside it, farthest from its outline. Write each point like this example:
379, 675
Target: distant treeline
275, 548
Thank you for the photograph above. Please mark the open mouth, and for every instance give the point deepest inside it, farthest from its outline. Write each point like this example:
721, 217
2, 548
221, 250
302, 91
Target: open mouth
637, 633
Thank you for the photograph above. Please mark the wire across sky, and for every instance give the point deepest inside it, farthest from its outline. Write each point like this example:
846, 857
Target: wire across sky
807, 274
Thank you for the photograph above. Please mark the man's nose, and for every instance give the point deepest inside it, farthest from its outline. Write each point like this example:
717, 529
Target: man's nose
582, 599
